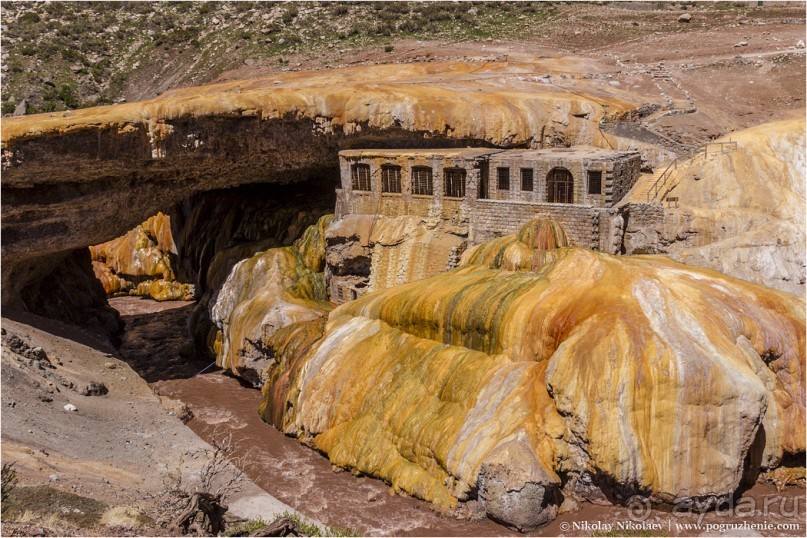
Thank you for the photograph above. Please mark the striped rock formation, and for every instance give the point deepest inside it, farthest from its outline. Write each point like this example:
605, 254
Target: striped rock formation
537, 368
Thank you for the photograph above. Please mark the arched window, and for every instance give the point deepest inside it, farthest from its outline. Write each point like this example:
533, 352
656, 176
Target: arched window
559, 186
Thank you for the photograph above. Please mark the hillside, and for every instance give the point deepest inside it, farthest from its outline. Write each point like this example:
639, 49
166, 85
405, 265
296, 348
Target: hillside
67, 55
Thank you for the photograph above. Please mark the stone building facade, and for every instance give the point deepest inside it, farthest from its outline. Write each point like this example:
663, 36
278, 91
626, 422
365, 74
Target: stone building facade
403, 215
492, 192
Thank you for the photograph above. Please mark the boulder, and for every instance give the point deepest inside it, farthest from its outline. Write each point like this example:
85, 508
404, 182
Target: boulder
514, 488
95, 388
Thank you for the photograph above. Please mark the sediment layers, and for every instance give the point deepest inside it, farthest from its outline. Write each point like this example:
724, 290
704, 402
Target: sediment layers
263, 294
129, 161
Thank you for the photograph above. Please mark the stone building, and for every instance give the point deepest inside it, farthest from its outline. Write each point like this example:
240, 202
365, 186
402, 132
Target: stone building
403, 215
492, 191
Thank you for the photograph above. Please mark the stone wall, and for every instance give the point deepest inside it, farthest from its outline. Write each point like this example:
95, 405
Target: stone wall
484, 219
619, 173
515, 163
494, 218
624, 175
643, 229
438, 228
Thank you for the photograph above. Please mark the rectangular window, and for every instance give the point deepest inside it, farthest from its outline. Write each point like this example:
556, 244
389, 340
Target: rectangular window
390, 179
422, 180
484, 172
503, 175
594, 182
454, 182
361, 177
526, 179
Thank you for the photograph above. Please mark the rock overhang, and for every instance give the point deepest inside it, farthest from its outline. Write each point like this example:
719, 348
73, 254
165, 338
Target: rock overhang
76, 178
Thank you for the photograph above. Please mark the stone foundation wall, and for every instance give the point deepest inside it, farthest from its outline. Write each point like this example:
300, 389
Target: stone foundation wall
629, 229
494, 218
643, 229
486, 219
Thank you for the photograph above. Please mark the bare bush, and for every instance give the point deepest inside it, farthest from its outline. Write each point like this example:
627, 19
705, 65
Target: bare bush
195, 502
9, 482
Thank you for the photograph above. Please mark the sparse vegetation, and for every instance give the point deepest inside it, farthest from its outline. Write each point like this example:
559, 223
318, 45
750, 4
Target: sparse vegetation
310, 529
302, 525
199, 506
8, 482
246, 528
44, 502
103, 51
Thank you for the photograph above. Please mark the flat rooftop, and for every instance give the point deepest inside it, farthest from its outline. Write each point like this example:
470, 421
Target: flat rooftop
464, 153
576, 152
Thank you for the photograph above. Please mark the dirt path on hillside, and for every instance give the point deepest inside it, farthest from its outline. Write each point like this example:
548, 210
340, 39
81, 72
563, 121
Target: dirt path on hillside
729, 70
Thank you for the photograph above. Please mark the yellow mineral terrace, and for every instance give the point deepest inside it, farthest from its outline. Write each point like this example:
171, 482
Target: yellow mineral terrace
634, 371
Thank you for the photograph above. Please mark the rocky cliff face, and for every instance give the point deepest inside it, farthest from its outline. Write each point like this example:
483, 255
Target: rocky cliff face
68, 290
366, 253
131, 160
533, 372
139, 263
740, 212
216, 230
265, 293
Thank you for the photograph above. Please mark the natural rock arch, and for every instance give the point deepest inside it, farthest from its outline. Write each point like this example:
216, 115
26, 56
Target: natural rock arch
82, 177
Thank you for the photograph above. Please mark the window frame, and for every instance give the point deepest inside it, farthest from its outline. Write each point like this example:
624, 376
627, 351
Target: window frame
461, 181
386, 179
556, 177
591, 174
416, 182
531, 179
502, 185
357, 181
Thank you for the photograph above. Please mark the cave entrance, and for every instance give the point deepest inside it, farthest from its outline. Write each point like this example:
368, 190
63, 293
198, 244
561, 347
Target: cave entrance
163, 275
142, 263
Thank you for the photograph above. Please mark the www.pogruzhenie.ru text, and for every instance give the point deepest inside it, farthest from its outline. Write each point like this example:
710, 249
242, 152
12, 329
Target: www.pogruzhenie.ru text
670, 525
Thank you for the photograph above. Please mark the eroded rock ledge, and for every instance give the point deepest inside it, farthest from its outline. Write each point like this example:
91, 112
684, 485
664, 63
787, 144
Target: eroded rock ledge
83, 177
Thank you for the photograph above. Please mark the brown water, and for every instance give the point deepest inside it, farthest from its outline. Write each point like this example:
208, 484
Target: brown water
305, 480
